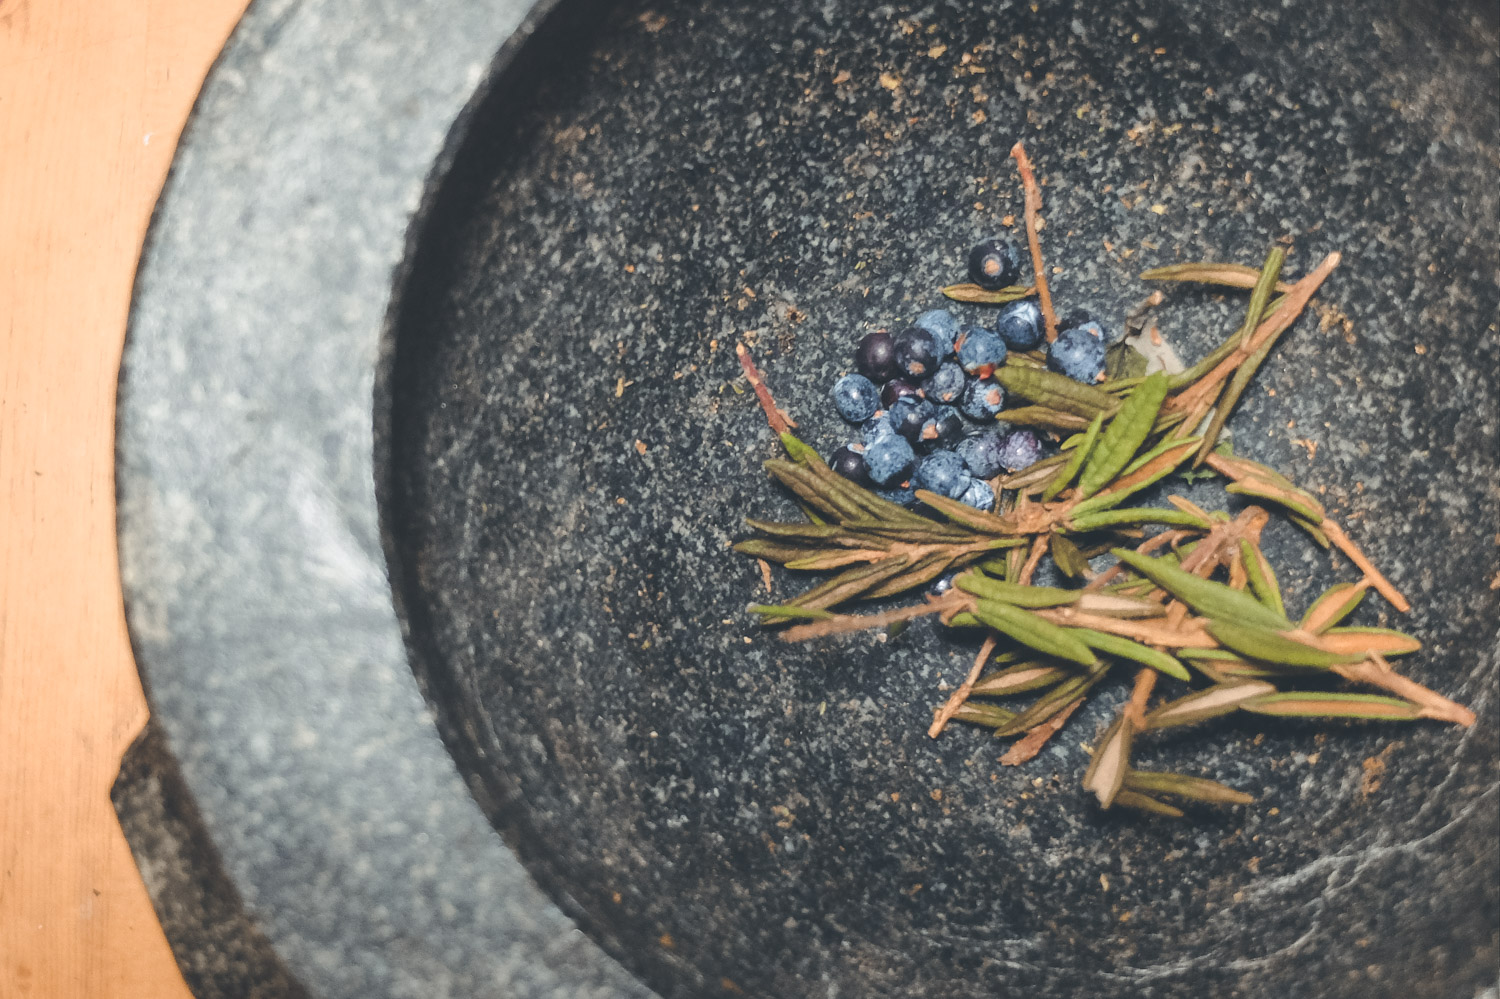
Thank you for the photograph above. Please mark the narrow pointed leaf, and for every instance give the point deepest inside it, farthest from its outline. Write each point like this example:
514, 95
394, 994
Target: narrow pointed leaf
1135, 515
1262, 578
924, 570
1152, 467
1110, 605
851, 583
1106, 773
1211, 599
1211, 703
1116, 645
1363, 641
1315, 704
1034, 633
1122, 361
1068, 558
1292, 501
1080, 454
1145, 803
1045, 416
1050, 703
1227, 275
1125, 434
966, 515
786, 612
979, 713
975, 295
1183, 786
1336, 603
1013, 593
1272, 646
1047, 388
1020, 678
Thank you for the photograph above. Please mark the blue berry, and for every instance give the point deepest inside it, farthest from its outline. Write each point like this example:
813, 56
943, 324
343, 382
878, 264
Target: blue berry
1021, 450
855, 397
875, 357
943, 327
889, 460
903, 494
895, 389
979, 495
982, 453
982, 400
942, 472
876, 427
1020, 324
946, 384
1078, 353
850, 463
909, 414
980, 351
917, 352
994, 263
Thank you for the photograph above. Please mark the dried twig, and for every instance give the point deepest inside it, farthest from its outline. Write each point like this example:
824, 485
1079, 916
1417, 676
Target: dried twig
1033, 210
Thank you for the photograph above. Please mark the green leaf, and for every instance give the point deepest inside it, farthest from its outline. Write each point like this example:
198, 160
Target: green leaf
1220, 699
1013, 593
1043, 416
789, 613
1050, 703
975, 295
1020, 678
1033, 632
1214, 600
1145, 803
1134, 515
1272, 646
1081, 452
1047, 388
1363, 641
1068, 558
1124, 435
1151, 467
1124, 361
1183, 786
1315, 704
1336, 603
988, 715
1115, 645
1261, 576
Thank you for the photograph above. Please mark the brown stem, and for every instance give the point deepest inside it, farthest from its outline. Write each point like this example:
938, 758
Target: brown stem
1378, 673
1038, 549
1037, 736
954, 600
962, 693
1382, 585
775, 415
1033, 209
1135, 708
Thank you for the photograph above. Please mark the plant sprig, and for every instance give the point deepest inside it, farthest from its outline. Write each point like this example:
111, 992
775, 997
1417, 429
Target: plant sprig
1196, 604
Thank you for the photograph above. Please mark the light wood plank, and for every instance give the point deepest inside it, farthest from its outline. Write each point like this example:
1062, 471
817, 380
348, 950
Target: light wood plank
93, 96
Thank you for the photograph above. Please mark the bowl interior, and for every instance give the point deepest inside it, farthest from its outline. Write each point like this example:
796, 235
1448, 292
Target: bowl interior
567, 449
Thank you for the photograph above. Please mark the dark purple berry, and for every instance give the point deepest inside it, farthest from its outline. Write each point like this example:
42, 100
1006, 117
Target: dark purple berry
943, 327
994, 263
850, 463
1078, 354
982, 400
875, 357
889, 460
917, 352
1022, 449
909, 414
979, 495
943, 429
946, 386
980, 351
982, 453
895, 389
1020, 324
856, 398
943, 472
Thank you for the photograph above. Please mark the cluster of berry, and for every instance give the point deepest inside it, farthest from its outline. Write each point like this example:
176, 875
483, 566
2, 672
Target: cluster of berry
926, 400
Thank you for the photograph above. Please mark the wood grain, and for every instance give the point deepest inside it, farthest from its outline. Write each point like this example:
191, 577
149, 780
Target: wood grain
93, 97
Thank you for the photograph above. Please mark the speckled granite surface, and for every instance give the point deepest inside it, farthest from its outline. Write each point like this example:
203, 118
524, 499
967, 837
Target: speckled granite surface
567, 457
